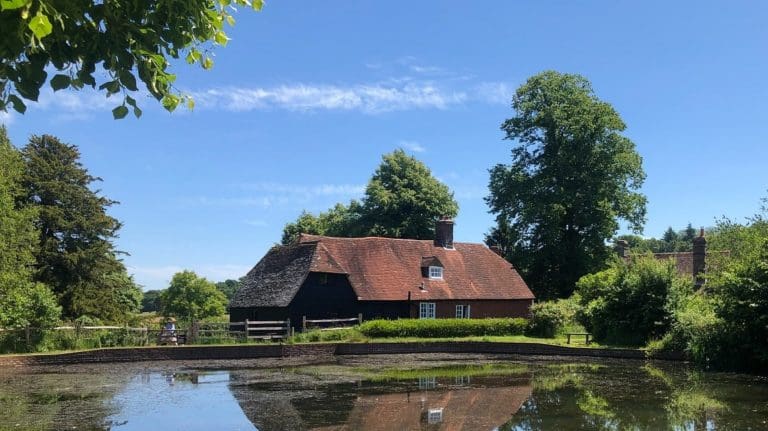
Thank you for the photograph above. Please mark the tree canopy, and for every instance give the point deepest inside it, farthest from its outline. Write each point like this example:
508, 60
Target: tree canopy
402, 200
22, 301
76, 255
130, 40
191, 298
573, 176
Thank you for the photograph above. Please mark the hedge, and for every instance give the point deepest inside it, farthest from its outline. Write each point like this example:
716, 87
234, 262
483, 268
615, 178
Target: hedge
439, 328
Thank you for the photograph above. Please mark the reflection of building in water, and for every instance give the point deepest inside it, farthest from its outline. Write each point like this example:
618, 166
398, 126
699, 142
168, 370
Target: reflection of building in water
467, 408
433, 404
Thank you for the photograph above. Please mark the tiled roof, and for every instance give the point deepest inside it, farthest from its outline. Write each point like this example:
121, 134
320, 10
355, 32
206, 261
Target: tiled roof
274, 281
381, 269
386, 269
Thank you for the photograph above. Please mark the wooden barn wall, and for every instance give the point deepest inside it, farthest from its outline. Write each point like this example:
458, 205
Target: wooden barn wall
324, 296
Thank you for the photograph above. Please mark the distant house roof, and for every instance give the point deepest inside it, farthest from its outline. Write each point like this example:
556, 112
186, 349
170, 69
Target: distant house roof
381, 269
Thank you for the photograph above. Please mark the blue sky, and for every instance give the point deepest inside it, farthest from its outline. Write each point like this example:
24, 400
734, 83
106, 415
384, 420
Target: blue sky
307, 96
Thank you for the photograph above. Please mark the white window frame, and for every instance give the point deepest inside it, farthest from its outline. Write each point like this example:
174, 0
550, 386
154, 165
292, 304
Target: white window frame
463, 311
427, 310
434, 416
436, 272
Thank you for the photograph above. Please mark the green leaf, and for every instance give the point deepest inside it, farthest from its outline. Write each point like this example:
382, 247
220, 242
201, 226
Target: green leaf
40, 25
60, 81
120, 112
13, 4
221, 38
190, 103
231, 20
137, 112
128, 80
130, 100
111, 86
207, 63
258, 4
18, 104
170, 102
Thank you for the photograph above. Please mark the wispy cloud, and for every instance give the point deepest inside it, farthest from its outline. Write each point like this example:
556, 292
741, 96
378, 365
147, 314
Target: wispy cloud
267, 194
367, 98
494, 92
413, 146
305, 190
431, 88
6, 118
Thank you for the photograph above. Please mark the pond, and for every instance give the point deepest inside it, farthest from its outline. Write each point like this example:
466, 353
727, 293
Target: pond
383, 393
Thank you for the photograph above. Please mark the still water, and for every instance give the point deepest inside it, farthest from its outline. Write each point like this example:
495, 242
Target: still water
383, 394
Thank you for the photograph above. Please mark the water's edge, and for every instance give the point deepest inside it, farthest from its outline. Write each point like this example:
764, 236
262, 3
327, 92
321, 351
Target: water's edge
138, 354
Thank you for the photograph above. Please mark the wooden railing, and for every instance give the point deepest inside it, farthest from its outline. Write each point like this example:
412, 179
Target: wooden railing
267, 329
330, 324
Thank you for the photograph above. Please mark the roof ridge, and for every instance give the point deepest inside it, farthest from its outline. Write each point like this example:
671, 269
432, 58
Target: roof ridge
374, 238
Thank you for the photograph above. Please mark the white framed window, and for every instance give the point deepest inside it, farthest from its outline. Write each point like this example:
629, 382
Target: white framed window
427, 383
434, 416
436, 272
426, 310
462, 311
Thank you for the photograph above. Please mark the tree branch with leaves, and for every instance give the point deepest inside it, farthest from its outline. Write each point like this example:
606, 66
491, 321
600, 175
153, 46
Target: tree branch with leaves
131, 40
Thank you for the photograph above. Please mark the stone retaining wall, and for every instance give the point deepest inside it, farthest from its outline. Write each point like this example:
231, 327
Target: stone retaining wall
138, 354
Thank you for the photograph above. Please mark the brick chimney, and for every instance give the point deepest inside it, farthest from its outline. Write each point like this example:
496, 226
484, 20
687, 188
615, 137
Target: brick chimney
699, 258
622, 248
444, 232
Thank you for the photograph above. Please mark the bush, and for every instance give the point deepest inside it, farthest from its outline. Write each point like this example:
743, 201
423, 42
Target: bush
442, 328
550, 318
316, 335
631, 302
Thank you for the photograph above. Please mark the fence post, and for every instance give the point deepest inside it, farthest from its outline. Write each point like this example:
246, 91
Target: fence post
193, 330
245, 329
303, 323
288, 327
359, 318
28, 337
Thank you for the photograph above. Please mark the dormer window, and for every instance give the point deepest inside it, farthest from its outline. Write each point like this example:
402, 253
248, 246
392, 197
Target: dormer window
436, 272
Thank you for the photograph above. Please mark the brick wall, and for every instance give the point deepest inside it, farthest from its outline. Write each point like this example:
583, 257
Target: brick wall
316, 350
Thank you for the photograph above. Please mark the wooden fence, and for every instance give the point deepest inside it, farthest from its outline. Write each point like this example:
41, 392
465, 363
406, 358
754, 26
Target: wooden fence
268, 329
330, 324
198, 332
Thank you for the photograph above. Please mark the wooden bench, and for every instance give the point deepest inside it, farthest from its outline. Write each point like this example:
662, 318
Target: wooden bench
585, 334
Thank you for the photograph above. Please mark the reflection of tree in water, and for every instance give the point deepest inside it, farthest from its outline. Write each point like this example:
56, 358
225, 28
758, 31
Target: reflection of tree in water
617, 397
58, 401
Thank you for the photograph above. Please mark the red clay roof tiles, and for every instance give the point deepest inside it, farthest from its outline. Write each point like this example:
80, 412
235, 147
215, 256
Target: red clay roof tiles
386, 269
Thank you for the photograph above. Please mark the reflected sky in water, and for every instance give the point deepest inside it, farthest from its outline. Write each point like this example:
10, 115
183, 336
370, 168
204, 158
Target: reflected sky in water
417, 395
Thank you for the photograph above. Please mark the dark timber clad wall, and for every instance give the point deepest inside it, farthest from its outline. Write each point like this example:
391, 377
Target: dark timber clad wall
324, 296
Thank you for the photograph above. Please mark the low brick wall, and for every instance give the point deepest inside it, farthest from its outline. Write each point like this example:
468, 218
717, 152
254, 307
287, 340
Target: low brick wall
183, 353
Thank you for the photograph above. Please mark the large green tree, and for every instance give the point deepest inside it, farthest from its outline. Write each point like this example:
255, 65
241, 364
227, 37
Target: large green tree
22, 301
341, 220
573, 176
130, 40
402, 200
76, 255
191, 298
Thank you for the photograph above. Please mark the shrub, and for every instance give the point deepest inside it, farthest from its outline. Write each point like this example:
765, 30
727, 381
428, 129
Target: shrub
631, 302
442, 328
550, 318
316, 335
